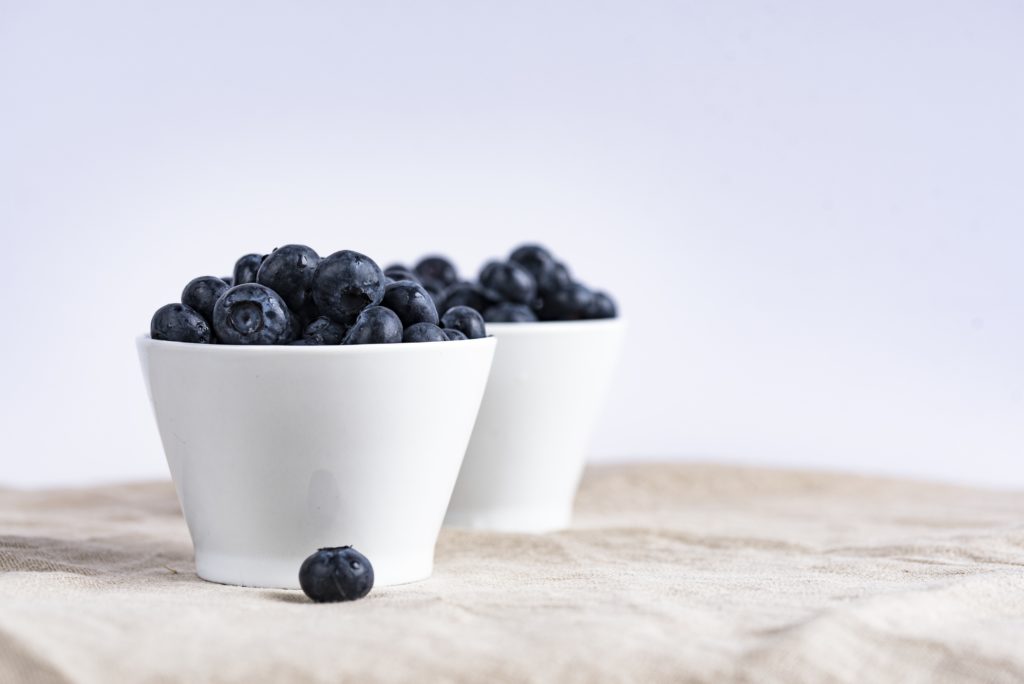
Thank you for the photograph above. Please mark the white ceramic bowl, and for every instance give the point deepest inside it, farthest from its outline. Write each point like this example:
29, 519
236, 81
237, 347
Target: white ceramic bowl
276, 451
546, 390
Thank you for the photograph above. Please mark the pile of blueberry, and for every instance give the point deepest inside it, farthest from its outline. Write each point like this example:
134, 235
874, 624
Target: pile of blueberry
530, 285
293, 296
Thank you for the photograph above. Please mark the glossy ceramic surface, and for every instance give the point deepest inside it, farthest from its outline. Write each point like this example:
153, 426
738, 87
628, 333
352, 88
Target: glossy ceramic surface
277, 451
547, 388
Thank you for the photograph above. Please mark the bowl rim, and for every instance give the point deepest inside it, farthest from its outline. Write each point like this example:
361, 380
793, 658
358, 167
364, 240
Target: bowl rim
537, 327
144, 340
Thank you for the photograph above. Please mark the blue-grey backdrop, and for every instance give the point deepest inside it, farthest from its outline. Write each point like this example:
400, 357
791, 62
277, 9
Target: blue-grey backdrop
811, 213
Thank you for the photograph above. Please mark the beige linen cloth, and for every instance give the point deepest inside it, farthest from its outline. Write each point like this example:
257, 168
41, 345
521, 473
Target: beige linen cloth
676, 573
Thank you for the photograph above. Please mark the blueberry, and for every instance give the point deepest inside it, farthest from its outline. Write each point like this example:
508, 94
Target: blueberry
375, 325
466, 294
453, 335
397, 273
246, 268
288, 271
601, 306
229, 280
202, 293
570, 304
252, 314
345, 283
507, 312
437, 298
179, 323
434, 288
337, 574
512, 282
424, 332
436, 269
554, 279
295, 327
466, 320
306, 315
534, 259
324, 331
411, 302
488, 270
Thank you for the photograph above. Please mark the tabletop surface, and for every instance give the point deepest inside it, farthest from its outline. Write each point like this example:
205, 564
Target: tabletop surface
670, 573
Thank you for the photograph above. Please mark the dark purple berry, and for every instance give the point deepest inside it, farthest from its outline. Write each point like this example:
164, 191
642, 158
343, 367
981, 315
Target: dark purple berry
466, 294
511, 282
179, 323
246, 269
466, 320
601, 306
396, 273
507, 312
424, 332
375, 325
436, 269
411, 302
534, 259
324, 331
252, 314
570, 304
336, 574
555, 279
288, 271
202, 293
345, 283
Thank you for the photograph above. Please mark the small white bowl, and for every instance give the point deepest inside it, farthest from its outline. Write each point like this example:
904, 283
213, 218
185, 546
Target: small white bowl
547, 387
276, 451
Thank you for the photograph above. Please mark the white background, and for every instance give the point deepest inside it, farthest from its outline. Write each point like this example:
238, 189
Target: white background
811, 213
